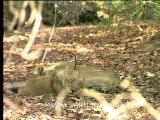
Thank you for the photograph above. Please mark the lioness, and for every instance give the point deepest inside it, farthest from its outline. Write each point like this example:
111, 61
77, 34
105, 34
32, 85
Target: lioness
95, 78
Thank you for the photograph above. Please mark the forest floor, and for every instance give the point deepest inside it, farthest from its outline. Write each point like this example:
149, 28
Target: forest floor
119, 48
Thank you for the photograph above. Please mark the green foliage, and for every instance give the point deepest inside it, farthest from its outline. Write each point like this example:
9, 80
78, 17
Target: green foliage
130, 9
143, 9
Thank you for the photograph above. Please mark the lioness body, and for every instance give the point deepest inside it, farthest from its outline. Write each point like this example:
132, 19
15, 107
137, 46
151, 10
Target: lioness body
37, 86
63, 76
54, 84
95, 78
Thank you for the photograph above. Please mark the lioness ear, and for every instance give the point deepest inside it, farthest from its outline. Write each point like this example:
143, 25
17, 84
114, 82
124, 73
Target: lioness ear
40, 70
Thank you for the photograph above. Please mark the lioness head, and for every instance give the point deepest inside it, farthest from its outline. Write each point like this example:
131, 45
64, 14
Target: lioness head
67, 78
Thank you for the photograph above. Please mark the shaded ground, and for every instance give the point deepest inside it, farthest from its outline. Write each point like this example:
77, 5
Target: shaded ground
103, 47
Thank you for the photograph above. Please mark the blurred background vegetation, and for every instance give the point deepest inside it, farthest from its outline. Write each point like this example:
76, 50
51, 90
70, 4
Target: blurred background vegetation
64, 13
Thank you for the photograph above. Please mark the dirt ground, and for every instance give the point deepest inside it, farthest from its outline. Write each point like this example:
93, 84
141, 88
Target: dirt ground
118, 48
